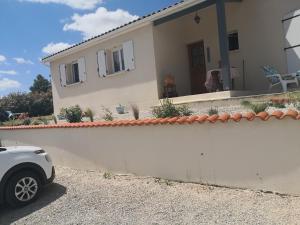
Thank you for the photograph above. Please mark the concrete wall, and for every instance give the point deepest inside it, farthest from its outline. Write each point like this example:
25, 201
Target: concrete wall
138, 86
256, 155
261, 38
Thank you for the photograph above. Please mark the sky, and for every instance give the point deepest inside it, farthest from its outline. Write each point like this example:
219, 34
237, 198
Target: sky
33, 29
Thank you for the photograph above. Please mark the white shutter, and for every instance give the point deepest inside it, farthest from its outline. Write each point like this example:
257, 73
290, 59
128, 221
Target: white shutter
102, 67
128, 55
81, 68
63, 78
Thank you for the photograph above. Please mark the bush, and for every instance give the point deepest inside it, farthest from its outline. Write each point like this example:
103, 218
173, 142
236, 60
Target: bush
213, 111
72, 114
108, 115
277, 105
167, 110
90, 114
27, 121
255, 107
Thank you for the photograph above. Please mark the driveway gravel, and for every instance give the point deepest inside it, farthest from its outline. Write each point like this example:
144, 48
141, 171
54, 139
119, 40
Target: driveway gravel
86, 197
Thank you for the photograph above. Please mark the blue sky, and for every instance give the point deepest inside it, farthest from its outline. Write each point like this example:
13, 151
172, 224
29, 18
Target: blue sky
31, 29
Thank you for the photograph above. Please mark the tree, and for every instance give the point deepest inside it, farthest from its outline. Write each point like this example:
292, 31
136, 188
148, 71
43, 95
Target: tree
36, 103
40, 84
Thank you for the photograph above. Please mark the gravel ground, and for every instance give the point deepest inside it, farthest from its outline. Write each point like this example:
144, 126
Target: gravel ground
86, 197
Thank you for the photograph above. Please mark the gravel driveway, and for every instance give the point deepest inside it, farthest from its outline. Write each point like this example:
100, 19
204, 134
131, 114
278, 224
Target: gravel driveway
82, 197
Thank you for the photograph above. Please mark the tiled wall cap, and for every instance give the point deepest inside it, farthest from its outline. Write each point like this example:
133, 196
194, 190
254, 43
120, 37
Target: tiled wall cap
223, 118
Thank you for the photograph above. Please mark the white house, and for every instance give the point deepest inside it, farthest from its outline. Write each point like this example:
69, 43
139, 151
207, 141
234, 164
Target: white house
130, 63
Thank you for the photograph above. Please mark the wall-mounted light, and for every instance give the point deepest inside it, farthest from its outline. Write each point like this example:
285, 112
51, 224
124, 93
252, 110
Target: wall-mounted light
197, 18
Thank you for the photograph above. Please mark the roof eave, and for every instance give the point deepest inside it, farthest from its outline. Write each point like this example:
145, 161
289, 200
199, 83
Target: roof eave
118, 31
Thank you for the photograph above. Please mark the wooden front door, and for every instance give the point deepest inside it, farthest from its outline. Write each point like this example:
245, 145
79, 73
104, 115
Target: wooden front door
197, 67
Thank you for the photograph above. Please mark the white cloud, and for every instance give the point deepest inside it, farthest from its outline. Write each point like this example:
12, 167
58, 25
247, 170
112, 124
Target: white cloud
76, 4
8, 72
100, 21
6, 83
23, 61
2, 58
52, 48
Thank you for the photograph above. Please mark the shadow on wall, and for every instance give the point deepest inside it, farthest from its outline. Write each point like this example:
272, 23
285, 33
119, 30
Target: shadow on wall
48, 195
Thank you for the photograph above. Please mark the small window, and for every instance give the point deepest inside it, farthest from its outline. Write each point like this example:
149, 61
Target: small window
72, 73
233, 40
118, 60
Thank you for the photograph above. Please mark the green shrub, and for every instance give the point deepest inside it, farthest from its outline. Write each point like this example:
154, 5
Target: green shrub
37, 122
184, 110
168, 110
213, 111
90, 114
72, 114
259, 107
255, 107
108, 115
245, 103
278, 105
27, 121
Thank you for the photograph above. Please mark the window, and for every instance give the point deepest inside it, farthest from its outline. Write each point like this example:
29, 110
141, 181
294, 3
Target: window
118, 60
72, 73
233, 40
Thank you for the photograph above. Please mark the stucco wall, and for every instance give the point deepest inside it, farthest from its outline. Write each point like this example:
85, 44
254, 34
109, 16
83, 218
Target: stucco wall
261, 38
138, 86
256, 154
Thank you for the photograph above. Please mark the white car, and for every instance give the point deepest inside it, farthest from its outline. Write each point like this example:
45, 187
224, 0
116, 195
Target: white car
24, 170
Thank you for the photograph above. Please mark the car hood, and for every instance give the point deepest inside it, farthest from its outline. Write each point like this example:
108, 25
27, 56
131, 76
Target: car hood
22, 148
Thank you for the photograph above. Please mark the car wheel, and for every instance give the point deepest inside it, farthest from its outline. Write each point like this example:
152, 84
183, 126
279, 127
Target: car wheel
22, 189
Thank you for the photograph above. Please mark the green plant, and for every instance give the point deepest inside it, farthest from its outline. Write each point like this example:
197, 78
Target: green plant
245, 103
277, 105
107, 175
44, 120
90, 114
72, 114
135, 111
213, 111
27, 121
167, 110
184, 110
108, 115
255, 107
37, 122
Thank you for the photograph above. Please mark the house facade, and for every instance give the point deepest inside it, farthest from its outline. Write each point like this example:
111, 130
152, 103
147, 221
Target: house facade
128, 65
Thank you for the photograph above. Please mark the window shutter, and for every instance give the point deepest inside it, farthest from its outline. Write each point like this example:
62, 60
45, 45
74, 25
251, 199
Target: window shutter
81, 68
102, 67
63, 78
128, 55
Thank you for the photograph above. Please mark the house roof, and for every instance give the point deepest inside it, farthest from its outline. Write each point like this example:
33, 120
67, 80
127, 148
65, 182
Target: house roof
150, 17
224, 118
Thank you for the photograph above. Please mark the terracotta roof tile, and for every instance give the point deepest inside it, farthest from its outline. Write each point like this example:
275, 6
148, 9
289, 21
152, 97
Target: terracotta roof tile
237, 117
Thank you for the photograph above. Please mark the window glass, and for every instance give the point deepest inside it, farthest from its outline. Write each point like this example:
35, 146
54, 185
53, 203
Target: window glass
116, 62
122, 59
233, 40
75, 73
